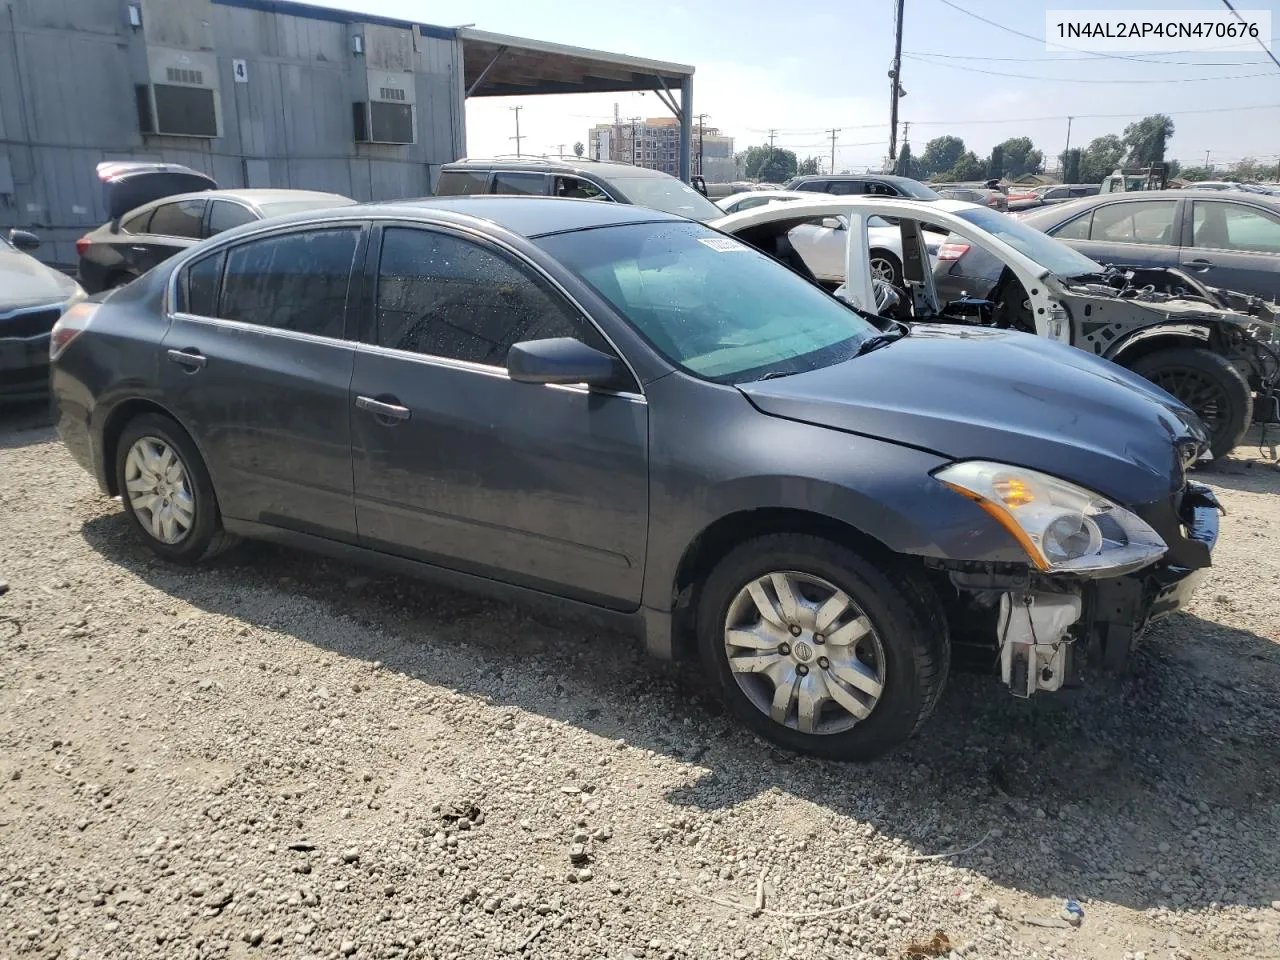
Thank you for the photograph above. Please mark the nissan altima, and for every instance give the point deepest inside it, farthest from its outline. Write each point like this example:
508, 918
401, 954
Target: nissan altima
628, 413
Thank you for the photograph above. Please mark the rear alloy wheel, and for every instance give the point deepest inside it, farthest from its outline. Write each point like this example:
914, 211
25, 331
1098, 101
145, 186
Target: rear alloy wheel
167, 492
885, 266
1207, 383
819, 652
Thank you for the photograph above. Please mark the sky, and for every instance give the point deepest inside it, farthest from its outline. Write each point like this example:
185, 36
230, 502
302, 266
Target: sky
823, 65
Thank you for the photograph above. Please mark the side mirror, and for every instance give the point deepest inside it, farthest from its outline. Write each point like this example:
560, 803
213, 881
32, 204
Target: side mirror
24, 240
833, 223
561, 360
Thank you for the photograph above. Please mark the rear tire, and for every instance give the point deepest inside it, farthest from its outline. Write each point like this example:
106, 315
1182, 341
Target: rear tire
166, 491
1207, 383
849, 685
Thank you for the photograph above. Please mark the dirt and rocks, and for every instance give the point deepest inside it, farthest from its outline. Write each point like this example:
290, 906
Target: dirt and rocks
282, 756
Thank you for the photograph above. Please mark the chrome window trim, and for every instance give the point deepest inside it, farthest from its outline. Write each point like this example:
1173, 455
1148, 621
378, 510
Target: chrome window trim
212, 245
487, 370
262, 328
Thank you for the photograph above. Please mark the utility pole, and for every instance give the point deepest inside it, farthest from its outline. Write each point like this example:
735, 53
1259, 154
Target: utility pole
895, 87
517, 138
560, 151
1066, 149
906, 131
701, 118
1206, 160
633, 140
833, 133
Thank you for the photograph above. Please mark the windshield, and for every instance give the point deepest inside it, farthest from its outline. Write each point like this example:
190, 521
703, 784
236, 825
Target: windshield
916, 190
280, 208
668, 195
711, 304
1044, 250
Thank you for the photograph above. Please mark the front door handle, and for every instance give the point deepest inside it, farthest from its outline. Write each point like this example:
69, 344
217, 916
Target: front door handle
190, 358
1201, 264
382, 409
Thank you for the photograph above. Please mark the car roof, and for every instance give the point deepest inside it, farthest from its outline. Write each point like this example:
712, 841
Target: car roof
605, 169
256, 197
1066, 210
523, 215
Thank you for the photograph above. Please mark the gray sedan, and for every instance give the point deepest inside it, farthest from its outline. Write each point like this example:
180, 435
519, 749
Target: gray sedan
629, 414
32, 297
1224, 239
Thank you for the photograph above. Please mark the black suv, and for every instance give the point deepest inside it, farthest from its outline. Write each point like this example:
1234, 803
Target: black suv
863, 184
579, 179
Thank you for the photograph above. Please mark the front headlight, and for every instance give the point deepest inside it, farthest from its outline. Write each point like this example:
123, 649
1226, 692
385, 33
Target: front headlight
1064, 528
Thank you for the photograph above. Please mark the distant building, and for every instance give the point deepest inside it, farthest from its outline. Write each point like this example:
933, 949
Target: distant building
655, 143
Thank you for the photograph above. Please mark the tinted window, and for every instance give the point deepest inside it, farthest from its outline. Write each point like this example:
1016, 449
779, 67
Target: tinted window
224, 215
845, 188
1231, 226
505, 181
813, 186
577, 188
181, 219
711, 304
1077, 229
293, 282
202, 285
448, 297
137, 224
880, 190
457, 183
1057, 193
1135, 221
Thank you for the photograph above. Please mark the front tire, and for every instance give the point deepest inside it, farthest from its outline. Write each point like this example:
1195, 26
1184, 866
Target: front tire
816, 650
166, 491
1207, 383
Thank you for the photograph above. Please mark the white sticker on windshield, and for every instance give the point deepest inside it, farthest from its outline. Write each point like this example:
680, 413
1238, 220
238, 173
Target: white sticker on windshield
722, 244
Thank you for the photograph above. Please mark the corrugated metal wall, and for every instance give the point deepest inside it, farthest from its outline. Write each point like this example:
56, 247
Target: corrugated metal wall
67, 75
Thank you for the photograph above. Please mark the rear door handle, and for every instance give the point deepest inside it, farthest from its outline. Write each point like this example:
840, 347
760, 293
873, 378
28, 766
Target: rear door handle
190, 358
380, 408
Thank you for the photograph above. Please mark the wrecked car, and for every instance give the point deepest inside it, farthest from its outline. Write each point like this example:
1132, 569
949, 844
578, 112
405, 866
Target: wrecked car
631, 415
1214, 350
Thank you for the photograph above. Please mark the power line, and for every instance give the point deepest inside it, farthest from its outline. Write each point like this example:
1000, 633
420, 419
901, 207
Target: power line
1227, 4
1059, 59
1031, 76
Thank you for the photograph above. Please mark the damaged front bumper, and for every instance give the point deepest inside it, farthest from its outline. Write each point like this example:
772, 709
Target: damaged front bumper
1042, 633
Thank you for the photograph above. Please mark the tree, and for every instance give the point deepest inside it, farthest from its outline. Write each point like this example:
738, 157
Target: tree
1146, 140
1102, 156
578, 148
995, 166
908, 166
808, 166
1020, 156
770, 164
969, 167
1194, 174
1071, 166
940, 154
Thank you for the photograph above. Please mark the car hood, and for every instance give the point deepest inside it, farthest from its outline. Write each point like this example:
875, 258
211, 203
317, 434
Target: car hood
999, 395
26, 282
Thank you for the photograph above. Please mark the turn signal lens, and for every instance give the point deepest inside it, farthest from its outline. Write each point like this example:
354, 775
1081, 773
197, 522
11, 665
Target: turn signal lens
1013, 492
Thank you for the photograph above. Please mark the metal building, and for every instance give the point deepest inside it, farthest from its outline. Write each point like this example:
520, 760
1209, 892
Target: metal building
257, 93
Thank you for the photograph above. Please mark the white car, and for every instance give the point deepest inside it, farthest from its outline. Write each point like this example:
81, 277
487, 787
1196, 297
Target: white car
821, 243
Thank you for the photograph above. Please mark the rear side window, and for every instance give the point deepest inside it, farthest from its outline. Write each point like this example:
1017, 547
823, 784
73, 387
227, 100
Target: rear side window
459, 183
180, 219
447, 297
844, 188
813, 186
224, 215
297, 281
1135, 221
527, 184
202, 285
137, 224
1077, 229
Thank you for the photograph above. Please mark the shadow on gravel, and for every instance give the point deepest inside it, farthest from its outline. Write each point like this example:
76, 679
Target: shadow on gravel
22, 424
1155, 789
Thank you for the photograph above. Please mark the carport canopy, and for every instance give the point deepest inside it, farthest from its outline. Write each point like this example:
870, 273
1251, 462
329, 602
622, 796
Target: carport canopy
495, 65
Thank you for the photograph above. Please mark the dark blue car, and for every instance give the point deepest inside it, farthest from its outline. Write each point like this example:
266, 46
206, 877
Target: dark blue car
627, 413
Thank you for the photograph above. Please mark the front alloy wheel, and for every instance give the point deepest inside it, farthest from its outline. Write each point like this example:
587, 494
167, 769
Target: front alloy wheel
803, 652
819, 648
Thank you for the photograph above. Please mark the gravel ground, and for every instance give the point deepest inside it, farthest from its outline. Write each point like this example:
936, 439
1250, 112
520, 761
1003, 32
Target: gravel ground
279, 755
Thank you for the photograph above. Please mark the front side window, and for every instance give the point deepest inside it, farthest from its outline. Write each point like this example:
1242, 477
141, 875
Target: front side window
294, 281
714, 306
1233, 226
224, 215
578, 189
444, 296
180, 219
1135, 221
